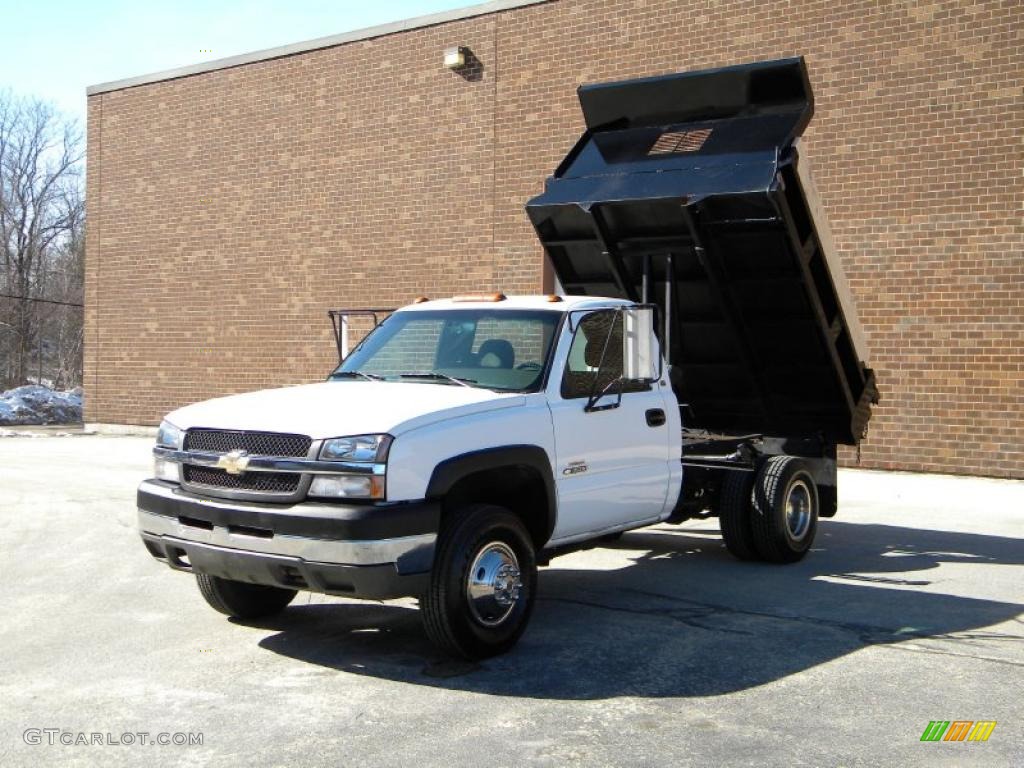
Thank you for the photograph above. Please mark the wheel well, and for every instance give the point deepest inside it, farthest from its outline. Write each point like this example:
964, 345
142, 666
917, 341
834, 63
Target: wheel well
518, 488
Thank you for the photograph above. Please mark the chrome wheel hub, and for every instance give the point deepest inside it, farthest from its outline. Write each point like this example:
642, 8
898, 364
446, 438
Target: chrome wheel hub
798, 509
494, 584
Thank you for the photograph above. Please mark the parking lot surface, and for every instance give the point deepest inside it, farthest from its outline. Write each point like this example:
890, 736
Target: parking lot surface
657, 650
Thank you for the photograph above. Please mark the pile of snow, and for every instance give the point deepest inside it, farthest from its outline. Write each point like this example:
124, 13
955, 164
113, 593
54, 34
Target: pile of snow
35, 404
37, 433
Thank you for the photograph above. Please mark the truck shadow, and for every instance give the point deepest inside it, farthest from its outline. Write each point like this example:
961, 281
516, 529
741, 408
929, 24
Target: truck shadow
683, 618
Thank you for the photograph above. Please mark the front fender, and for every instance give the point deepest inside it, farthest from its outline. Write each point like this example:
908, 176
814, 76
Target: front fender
507, 465
416, 454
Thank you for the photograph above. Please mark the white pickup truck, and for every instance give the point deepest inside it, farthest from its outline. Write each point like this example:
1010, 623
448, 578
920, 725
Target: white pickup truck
707, 362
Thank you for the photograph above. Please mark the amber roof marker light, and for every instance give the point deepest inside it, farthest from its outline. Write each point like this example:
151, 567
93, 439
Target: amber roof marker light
481, 297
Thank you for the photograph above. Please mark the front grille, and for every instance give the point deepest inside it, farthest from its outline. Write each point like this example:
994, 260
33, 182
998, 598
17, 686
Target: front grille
253, 443
258, 482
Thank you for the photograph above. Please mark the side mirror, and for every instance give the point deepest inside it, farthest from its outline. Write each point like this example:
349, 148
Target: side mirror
640, 362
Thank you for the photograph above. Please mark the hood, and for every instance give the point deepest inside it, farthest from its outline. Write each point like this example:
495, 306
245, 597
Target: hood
338, 408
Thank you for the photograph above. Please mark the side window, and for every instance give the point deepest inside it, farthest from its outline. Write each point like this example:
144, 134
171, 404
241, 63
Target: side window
598, 335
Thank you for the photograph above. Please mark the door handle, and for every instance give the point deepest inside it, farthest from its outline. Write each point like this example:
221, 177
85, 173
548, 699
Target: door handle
655, 417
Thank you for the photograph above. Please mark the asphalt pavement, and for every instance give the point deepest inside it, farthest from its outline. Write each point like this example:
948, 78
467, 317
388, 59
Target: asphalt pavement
656, 650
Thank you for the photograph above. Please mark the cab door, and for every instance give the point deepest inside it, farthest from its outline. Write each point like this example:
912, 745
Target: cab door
612, 450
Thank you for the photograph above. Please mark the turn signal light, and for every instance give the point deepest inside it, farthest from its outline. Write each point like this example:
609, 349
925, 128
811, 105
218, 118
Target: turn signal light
347, 487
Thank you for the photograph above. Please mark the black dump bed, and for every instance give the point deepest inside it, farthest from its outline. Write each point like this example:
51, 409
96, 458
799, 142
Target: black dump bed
688, 191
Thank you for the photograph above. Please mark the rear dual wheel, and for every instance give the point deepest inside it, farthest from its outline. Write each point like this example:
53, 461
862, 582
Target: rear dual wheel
734, 515
772, 514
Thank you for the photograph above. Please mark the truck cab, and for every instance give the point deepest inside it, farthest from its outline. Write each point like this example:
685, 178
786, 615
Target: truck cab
702, 359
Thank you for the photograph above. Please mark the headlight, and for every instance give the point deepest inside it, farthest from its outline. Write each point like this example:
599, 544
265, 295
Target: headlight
169, 436
359, 449
362, 448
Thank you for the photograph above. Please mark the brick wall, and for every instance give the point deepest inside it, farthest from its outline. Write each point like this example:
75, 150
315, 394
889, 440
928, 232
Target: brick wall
229, 210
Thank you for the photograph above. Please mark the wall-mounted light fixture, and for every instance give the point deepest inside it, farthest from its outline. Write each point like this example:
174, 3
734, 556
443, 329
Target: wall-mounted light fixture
455, 58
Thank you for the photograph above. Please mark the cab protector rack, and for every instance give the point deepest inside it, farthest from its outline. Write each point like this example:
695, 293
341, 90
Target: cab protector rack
340, 324
689, 191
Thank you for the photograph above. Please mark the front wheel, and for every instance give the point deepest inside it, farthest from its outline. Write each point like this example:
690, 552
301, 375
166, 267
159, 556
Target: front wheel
784, 517
483, 584
240, 600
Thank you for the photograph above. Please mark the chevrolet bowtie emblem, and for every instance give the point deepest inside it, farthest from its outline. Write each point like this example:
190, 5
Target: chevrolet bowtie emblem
233, 463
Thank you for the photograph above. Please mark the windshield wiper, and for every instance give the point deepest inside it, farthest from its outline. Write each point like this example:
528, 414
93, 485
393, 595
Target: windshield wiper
356, 374
438, 377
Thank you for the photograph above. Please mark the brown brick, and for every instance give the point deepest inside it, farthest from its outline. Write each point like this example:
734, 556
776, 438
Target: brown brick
229, 210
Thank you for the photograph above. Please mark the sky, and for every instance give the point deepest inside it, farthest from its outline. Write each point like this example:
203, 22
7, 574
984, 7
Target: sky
53, 49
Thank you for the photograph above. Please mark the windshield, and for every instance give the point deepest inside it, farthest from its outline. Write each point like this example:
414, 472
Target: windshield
505, 350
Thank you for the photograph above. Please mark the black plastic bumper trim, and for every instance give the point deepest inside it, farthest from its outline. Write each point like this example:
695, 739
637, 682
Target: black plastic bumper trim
368, 582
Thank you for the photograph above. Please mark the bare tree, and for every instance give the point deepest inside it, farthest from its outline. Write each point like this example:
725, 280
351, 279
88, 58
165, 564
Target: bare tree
62, 326
41, 225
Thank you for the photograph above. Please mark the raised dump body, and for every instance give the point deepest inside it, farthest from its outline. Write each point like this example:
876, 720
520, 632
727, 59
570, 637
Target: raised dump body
688, 191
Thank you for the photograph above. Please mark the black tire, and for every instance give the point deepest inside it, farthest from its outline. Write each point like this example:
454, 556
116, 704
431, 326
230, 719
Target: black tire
778, 538
240, 600
734, 515
454, 625
828, 500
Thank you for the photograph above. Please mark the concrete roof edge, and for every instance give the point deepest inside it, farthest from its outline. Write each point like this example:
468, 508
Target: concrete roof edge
404, 25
